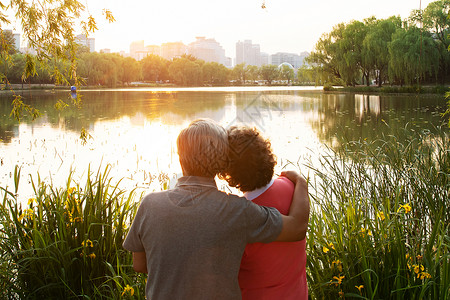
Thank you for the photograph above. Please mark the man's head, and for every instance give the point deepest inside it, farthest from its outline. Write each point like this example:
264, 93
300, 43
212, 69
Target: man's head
251, 161
202, 148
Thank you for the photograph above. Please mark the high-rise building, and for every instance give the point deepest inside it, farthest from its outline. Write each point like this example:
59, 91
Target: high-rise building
138, 51
153, 49
264, 59
283, 57
136, 47
248, 53
82, 39
174, 49
16, 41
208, 50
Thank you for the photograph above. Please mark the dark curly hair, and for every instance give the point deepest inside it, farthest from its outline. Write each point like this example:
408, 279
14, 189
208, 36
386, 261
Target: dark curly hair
251, 161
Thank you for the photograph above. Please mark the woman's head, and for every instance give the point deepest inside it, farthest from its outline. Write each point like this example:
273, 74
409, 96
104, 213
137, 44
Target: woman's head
251, 161
202, 148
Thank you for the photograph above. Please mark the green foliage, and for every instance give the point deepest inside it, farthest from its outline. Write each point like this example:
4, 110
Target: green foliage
269, 73
240, 73
287, 73
67, 243
388, 50
379, 227
19, 106
49, 27
155, 68
7, 45
215, 73
413, 56
375, 47
186, 71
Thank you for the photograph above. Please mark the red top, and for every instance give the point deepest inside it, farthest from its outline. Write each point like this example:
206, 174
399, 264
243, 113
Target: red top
276, 270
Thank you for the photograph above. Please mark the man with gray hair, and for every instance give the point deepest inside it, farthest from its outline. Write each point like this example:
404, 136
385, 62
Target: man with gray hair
190, 239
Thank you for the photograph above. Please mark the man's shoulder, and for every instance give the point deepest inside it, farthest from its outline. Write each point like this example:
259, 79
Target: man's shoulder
153, 196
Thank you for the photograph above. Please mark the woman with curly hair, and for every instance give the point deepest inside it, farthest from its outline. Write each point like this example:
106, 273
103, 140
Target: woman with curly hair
268, 271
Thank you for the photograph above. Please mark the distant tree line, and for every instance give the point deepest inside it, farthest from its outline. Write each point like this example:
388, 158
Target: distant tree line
385, 51
112, 70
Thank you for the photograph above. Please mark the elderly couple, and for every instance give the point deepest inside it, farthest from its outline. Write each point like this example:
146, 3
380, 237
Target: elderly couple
196, 242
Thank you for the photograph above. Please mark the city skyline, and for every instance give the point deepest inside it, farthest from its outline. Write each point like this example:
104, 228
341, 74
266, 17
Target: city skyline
210, 50
290, 26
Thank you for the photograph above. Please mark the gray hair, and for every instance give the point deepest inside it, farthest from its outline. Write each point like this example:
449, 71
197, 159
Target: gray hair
203, 148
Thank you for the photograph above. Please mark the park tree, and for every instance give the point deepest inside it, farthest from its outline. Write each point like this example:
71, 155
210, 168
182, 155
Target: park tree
49, 27
348, 49
88, 68
307, 74
324, 60
7, 44
240, 73
252, 72
286, 73
185, 71
412, 56
130, 70
375, 47
434, 19
269, 73
154, 68
100, 68
215, 73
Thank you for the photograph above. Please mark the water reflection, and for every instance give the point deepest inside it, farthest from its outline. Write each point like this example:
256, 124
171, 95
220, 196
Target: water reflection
367, 105
135, 131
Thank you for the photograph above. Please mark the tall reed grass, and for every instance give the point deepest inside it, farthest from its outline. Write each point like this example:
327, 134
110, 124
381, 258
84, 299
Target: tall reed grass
67, 243
379, 227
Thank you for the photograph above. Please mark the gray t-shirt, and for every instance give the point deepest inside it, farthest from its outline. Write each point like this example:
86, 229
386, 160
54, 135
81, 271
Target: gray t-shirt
194, 236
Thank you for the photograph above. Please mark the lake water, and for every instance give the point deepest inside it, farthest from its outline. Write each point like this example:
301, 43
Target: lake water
135, 130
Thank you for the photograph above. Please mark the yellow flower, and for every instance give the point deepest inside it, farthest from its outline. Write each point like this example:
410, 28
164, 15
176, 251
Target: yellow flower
92, 255
419, 257
418, 268
31, 201
338, 264
381, 216
331, 246
87, 243
339, 279
360, 287
363, 232
423, 275
325, 249
27, 213
406, 207
341, 294
128, 288
70, 191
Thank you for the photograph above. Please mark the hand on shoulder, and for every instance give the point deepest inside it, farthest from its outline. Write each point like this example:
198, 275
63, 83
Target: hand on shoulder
295, 177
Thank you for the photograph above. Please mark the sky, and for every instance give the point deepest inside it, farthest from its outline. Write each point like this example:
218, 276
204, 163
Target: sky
283, 26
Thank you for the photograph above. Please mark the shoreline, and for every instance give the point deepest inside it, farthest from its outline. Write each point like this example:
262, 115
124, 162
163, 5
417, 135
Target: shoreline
425, 89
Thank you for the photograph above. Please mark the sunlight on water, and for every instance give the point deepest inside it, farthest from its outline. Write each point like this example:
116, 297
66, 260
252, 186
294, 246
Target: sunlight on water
135, 131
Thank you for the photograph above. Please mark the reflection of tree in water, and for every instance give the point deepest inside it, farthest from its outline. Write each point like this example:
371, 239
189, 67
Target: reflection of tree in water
7, 132
334, 117
166, 107
354, 117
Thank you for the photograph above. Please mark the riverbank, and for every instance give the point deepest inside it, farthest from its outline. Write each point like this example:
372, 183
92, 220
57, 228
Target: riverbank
435, 89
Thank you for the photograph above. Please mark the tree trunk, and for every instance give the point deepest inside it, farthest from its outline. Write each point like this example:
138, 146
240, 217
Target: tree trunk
379, 78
